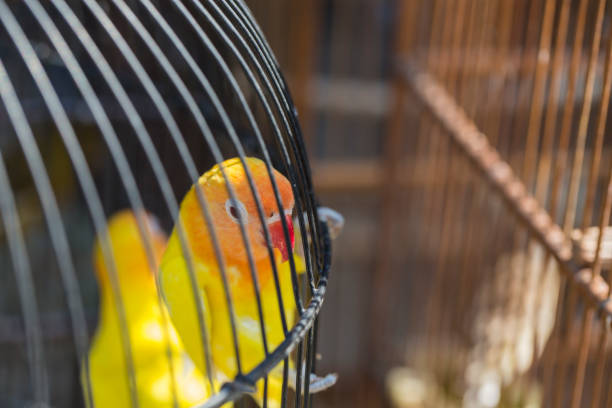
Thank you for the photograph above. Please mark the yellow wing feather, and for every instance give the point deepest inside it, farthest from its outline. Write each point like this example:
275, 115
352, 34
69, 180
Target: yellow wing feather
149, 329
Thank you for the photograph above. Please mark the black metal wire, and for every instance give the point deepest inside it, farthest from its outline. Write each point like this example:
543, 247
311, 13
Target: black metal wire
25, 285
255, 38
232, 391
233, 135
298, 373
267, 160
145, 140
241, 39
104, 124
257, 41
288, 168
209, 138
295, 137
246, 24
313, 349
52, 217
85, 178
229, 127
309, 355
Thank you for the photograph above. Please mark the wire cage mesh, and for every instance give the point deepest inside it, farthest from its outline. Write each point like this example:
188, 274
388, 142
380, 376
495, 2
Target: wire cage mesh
114, 105
506, 104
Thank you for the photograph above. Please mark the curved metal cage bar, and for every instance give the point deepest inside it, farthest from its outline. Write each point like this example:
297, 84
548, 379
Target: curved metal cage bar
116, 104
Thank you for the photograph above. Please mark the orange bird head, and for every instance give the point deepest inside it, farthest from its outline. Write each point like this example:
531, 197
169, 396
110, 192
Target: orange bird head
227, 213
129, 251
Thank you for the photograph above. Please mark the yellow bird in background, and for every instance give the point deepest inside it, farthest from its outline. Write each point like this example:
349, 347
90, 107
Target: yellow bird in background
149, 328
225, 214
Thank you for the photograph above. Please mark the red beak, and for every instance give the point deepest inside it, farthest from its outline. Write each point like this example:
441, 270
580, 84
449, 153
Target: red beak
277, 235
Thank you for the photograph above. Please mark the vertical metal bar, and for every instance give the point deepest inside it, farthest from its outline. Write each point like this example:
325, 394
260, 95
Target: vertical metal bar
60, 118
298, 374
392, 152
441, 154
233, 82
469, 263
439, 166
240, 13
524, 77
444, 168
493, 128
238, 16
583, 353
265, 392
465, 52
572, 200
462, 180
518, 304
406, 31
508, 12
488, 21
423, 42
601, 363
535, 38
543, 172
285, 382
540, 39
304, 172
544, 166
301, 174
564, 342
305, 19
52, 217
426, 142
455, 48
428, 129
294, 132
599, 139
566, 121
310, 358
538, 94
570, 211
558, 338
127, 177
144, 139
555, 338
25, 285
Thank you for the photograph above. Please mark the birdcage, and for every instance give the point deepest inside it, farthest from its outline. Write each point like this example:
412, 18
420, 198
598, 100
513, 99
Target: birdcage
511, 221
107, 106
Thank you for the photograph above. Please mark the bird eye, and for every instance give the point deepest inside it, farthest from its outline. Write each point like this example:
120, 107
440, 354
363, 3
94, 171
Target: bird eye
235, 209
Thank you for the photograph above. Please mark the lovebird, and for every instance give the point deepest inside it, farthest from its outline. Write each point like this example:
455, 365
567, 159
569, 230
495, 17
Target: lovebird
149, 328
225, 214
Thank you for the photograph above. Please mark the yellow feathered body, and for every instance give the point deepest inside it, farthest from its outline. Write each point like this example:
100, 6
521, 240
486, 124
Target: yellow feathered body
173, 274
158, 379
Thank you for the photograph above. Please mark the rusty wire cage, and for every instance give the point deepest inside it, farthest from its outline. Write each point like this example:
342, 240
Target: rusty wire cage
113, 105
506, 108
